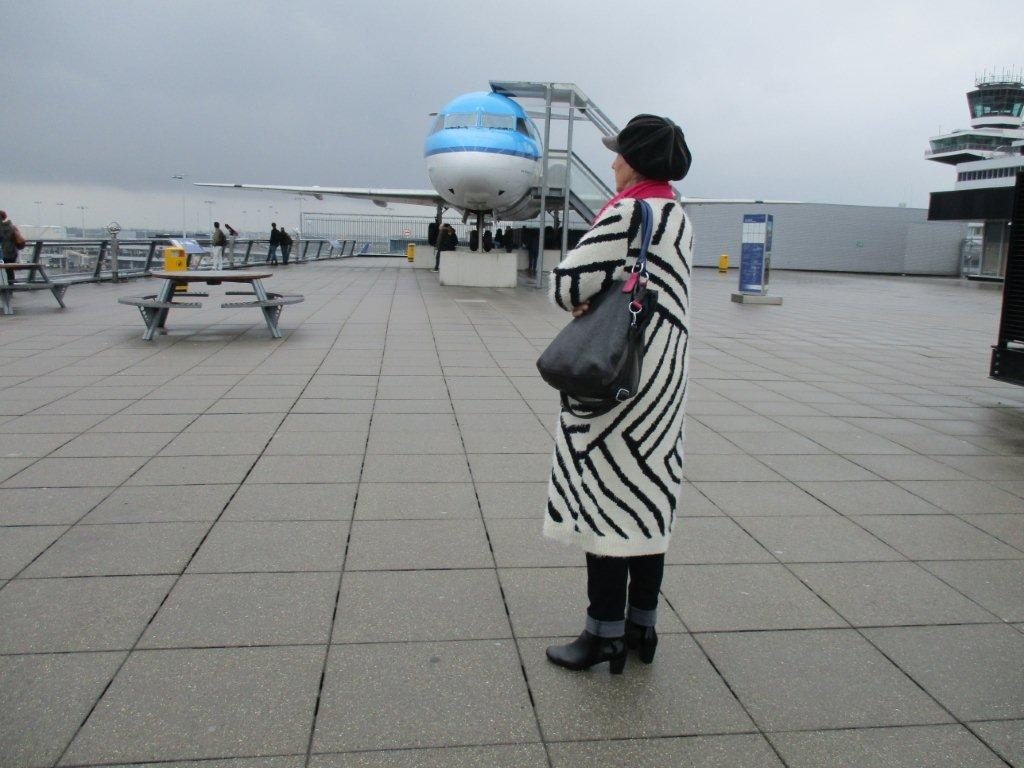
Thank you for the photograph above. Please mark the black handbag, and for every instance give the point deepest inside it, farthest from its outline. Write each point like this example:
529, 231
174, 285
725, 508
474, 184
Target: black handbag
595, 362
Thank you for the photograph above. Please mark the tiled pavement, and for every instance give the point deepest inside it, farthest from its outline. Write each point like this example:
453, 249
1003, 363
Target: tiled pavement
325, 550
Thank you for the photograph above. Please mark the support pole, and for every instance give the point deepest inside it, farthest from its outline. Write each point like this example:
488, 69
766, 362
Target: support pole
567, 184
539, 280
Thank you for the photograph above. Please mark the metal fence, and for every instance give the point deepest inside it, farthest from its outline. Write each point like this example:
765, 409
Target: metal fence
383, 234
87, 260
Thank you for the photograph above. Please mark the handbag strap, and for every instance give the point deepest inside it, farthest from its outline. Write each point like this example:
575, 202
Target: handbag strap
646, 231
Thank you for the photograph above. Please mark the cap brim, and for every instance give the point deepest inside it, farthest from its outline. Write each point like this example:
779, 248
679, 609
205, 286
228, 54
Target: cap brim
612, 142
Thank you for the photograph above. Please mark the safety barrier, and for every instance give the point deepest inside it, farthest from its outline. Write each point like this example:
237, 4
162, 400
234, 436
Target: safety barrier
92, 260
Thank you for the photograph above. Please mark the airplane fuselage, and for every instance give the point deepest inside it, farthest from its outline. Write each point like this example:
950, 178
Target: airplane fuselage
483, 153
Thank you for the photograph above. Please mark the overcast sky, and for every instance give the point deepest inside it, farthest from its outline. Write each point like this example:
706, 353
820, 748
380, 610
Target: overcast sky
813, 101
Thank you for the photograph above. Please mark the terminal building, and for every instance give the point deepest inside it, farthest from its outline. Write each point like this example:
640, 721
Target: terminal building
987, 157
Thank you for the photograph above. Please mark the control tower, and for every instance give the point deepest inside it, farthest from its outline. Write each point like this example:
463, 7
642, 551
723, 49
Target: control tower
987, 157
997, 126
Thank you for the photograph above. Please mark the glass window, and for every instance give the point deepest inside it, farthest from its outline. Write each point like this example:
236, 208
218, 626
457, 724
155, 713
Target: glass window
460, 120
501, 122
996, 101
526, 128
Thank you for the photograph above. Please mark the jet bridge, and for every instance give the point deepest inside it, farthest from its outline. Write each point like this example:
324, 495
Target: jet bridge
567, 183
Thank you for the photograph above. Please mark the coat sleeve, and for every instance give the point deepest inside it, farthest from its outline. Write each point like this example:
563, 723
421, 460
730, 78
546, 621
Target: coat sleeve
591, 266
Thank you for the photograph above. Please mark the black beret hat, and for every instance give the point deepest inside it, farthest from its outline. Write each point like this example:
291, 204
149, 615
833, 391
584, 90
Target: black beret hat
653, 146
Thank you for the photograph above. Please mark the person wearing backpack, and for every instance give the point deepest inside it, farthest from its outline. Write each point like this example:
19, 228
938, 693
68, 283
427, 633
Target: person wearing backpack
217, 243
11, 240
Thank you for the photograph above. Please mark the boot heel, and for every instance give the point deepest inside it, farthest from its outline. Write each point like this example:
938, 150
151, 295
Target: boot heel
648, 645
617, 663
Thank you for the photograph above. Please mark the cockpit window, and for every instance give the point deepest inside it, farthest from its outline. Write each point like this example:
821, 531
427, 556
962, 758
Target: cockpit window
438, 124
460, 120
502, 122
525, 128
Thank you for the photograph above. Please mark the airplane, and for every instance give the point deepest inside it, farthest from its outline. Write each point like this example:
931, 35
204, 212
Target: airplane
483, 157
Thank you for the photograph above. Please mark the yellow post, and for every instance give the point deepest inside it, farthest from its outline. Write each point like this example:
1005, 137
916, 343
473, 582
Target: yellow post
410, 252
175, 260
723, 263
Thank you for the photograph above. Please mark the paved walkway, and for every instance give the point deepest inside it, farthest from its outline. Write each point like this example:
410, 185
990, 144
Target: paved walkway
326, 549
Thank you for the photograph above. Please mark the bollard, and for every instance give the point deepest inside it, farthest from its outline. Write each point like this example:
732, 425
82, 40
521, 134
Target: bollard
723, 263
410, 252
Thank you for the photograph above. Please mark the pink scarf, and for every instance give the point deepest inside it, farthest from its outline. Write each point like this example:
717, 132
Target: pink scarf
640, 191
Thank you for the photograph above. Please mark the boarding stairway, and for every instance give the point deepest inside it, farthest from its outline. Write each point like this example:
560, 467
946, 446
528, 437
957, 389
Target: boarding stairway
568, 185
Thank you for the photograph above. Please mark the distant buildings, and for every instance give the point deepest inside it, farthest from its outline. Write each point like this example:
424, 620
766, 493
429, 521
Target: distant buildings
987, 156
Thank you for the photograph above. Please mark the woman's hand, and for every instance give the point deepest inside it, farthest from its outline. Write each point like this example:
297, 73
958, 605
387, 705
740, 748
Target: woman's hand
580, 309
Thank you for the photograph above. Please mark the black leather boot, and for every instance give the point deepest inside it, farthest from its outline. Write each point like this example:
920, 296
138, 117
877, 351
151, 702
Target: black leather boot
587, 650
642, 639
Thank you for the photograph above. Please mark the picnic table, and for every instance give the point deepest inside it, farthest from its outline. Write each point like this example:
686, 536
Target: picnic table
36, 280
155, 308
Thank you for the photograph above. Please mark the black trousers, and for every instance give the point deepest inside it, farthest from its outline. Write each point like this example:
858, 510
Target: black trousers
606, 584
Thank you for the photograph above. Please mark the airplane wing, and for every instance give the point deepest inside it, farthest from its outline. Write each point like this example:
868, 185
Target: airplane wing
380, 197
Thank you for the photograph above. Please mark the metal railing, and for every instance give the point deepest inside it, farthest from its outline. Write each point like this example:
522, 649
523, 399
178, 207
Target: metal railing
91, 260
970, 145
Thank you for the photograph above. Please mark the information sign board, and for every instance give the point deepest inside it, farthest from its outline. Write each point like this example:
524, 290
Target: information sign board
189, 245
755, 252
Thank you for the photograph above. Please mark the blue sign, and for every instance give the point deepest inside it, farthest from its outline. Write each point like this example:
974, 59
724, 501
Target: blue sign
752, 268
189, 245
756, 252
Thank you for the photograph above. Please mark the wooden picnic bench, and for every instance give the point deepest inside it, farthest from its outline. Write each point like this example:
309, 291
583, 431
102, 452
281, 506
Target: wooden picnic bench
36, 280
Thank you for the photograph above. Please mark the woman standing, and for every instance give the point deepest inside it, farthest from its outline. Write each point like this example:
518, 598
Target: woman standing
615, 479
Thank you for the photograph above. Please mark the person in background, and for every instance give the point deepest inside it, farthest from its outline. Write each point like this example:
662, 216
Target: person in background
286, 245
9, 238
531, 238
217, 243
447, 240
275, 241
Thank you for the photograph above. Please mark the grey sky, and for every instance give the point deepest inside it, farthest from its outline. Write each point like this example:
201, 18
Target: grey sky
814, 101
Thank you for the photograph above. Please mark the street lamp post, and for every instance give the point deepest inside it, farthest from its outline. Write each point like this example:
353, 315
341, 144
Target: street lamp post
181, 177
83, 209
60, 208
209, 210
39, 212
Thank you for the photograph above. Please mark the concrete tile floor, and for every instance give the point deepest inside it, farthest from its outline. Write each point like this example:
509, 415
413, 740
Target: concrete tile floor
325, 550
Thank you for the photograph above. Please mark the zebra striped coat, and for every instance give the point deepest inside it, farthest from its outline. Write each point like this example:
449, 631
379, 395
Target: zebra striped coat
615, 479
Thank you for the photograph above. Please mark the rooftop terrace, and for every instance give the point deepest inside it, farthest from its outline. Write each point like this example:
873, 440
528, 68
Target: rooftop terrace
326, 550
